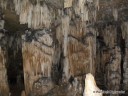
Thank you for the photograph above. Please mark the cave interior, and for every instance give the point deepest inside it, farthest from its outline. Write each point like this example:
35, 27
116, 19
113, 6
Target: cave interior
63, 47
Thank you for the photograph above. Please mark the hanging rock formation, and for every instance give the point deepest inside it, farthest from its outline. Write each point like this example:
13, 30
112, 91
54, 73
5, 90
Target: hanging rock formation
64, 31
66, 39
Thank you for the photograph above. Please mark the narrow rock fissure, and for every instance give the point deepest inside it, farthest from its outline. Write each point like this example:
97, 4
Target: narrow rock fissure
15, 65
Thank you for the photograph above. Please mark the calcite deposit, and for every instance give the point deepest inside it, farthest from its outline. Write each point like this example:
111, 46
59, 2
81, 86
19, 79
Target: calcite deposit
56, 43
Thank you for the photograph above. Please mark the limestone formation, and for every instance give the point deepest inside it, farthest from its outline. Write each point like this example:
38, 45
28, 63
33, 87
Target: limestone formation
38, 52
125, 66
62, 41
39, 47
113, 70
4, 88
91, 88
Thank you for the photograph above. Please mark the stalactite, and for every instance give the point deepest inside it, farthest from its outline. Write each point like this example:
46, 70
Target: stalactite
110, 36
81, 10
115, 14
65, 30
1, 24
97, 4
82, 55
91, 47
124, 28
3, 4
65, 38
28, 13
67, 3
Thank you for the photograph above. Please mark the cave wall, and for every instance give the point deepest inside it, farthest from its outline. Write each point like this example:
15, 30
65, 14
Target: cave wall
38, 54
125, 63
69, 38
4, 88
51, 46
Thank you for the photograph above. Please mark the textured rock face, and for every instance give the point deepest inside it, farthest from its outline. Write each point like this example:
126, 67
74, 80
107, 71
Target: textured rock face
125, 65
1, 24
67, 39
53, 53
113, 71
38, 53
4, 88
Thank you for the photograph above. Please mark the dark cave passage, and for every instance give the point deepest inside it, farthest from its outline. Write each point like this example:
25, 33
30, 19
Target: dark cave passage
15, 65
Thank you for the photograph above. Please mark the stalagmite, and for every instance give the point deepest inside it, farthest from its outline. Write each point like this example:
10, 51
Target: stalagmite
65, 30
91, 88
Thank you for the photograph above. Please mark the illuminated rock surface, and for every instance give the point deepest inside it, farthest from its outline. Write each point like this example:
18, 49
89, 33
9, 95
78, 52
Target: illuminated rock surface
52, 44
91, 88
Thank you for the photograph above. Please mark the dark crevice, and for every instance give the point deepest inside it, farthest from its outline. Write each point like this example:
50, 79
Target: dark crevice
121, 43
122, 59
15, 65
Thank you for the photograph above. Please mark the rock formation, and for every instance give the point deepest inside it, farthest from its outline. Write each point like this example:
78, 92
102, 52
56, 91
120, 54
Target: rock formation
125, 65
113, 70
91, 88
4, 88
63, 40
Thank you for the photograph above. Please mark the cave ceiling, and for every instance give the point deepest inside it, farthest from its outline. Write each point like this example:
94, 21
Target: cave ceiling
104, 12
